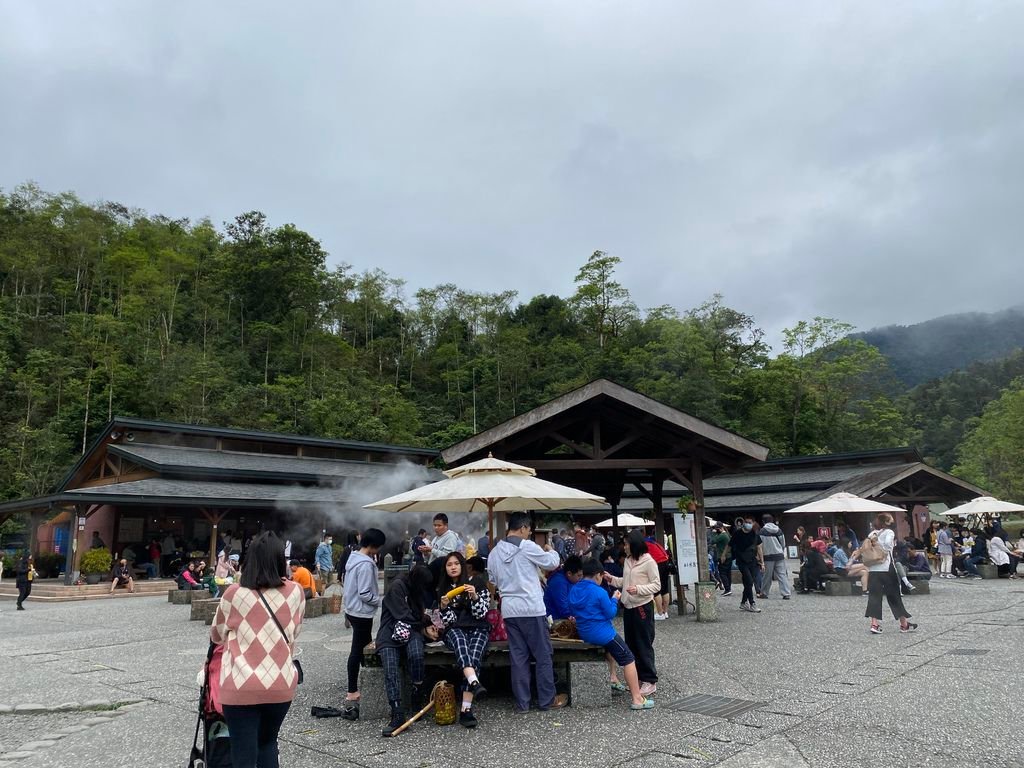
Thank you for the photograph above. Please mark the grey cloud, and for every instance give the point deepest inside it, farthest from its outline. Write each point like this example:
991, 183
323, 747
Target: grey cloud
853, 160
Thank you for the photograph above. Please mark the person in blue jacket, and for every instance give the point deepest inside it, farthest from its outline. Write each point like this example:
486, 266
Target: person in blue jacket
556, 596
594, 611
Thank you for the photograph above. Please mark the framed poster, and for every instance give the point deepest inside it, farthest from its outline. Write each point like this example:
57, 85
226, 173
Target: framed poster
686, 549
824, 532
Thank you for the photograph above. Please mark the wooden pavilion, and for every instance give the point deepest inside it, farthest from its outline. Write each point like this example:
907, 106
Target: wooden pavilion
605, 438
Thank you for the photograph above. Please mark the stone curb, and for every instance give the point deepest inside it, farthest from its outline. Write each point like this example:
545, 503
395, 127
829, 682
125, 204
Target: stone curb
95, 705
106, 712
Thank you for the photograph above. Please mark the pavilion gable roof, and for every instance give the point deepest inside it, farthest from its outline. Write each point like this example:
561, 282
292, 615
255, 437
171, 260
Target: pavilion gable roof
663, 421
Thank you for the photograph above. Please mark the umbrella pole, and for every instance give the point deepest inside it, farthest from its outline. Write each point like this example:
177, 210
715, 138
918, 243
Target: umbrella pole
490, 525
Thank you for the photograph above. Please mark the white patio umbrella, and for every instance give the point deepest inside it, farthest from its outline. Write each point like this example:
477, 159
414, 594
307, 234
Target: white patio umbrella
625, 519
489, 484
842, 502
984, 505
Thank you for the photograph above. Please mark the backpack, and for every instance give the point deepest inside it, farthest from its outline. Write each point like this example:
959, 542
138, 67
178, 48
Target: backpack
657, 552
871, 552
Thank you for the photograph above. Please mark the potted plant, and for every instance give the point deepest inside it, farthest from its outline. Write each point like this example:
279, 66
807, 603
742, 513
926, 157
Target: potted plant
96, 563
686, 505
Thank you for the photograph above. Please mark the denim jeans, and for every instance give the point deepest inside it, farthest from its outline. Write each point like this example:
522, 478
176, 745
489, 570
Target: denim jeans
971, 564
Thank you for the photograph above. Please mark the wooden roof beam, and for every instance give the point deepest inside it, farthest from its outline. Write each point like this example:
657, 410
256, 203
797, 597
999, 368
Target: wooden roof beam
543, 465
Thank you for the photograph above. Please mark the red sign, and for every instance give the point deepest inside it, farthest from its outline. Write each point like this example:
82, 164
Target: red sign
824, 532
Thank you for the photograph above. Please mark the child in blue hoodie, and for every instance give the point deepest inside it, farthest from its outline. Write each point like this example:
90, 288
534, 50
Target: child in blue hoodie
594, 611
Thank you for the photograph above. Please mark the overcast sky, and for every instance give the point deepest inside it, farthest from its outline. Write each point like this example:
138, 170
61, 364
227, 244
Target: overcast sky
857, 160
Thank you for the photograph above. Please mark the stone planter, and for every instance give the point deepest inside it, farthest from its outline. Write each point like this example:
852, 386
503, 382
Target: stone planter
93, 578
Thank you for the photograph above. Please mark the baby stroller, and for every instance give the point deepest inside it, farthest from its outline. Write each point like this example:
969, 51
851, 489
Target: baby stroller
211, 745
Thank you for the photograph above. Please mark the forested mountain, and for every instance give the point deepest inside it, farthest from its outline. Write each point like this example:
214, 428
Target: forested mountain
105, 309
941, 412
928, 350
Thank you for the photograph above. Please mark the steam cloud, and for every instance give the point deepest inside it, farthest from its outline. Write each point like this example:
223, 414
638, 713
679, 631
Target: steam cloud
304, 527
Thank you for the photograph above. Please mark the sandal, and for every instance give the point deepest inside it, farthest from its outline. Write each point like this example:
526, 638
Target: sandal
648, 704
618, 687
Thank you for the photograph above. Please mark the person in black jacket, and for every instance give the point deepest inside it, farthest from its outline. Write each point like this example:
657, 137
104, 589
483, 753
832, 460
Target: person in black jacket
466, 628
814, 568
403, 624
24, 574
745, 547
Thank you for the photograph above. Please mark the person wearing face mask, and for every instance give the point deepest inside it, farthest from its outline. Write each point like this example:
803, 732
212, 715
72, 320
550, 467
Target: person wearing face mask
324, 560
745, 546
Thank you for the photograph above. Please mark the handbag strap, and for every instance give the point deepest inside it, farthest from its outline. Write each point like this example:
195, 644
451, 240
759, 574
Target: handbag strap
274, 617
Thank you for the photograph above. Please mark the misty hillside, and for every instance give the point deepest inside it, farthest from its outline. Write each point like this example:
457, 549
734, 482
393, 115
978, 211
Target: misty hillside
931, 349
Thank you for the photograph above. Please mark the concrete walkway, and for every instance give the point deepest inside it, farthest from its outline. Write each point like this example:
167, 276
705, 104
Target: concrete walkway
825, 692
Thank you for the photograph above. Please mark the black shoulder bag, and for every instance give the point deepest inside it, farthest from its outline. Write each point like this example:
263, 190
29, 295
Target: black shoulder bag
298, 666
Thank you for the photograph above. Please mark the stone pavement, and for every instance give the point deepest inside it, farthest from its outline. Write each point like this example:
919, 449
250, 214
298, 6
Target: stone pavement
827, 692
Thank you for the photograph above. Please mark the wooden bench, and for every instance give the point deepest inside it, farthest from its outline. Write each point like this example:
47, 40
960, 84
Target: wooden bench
582, 667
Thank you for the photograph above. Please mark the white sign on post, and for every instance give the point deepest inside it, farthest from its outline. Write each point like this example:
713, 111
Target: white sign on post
686, 549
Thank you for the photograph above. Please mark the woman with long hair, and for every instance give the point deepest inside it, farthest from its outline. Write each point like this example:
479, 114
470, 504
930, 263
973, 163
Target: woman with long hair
403, 623
639, 584
257, 622
882, 579
466, 628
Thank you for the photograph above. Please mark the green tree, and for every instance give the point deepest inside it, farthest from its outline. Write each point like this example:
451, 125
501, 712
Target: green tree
602, 304
992, 455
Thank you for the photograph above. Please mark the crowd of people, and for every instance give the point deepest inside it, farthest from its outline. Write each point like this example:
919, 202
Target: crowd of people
443, 598
758, 552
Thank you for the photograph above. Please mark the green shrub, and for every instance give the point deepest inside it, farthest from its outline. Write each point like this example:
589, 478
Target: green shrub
97, 561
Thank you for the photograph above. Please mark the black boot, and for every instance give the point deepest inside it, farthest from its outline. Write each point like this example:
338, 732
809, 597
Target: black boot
350, 710
397, 719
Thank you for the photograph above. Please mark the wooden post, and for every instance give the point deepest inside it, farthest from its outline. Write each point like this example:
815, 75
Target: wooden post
214, 518
699, 522
69, 556
657, 484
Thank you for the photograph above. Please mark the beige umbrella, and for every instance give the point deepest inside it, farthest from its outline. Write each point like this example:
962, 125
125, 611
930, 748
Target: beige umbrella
982, 506
842, 502
625, 520
491, 484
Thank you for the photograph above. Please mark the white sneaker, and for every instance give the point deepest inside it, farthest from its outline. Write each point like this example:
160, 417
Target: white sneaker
660, 617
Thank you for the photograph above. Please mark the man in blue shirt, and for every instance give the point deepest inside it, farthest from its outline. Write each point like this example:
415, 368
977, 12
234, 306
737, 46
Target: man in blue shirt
556, 596
324, 559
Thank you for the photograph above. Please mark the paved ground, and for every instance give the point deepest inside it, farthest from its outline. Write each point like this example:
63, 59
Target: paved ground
833, 694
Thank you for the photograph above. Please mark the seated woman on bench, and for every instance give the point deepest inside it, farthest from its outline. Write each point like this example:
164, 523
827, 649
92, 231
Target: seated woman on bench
815, 566
466, 628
